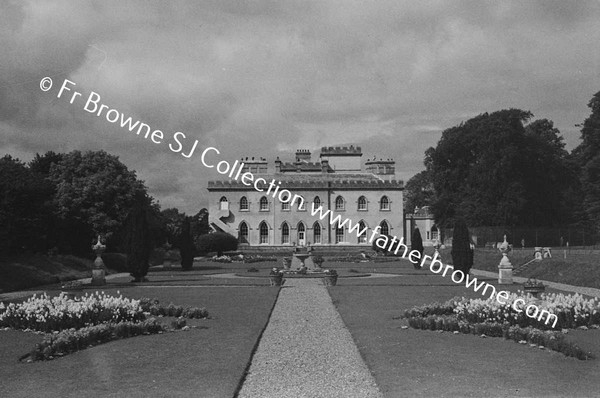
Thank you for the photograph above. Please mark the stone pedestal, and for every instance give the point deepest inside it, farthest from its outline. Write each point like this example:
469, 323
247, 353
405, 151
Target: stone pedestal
98, 272
505, 270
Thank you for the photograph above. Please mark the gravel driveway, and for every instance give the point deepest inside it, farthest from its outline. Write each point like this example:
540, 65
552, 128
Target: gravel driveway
306, 351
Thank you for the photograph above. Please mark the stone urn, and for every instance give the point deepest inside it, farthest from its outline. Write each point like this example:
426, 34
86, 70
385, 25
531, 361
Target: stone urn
276, 277
505, 268
330, 278
534, 287
98, 272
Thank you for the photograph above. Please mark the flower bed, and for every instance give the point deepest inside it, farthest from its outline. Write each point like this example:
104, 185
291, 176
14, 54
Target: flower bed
258, 259
46, 314
489, 317
71, 340
74, 324
572, 311
154, 307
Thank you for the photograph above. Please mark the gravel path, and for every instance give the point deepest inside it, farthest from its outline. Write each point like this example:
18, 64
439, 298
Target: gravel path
306, 350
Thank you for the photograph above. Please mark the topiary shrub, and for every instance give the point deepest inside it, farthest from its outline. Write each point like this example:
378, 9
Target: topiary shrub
462, 254
217, 242
416, 243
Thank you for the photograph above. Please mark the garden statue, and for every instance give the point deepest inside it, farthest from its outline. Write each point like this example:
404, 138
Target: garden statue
98, 273
505, 268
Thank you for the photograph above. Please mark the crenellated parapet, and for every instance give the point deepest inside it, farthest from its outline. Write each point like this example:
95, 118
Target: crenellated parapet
341, 184
340, 150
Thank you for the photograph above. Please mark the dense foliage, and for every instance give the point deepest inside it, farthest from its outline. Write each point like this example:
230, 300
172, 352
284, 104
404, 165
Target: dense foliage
494, 169
218, 242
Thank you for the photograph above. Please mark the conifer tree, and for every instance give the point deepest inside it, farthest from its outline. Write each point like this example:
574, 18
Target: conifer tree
416, 243
138, 243
462, 254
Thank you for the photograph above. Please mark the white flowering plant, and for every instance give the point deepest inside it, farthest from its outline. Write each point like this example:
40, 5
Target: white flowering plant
47, 314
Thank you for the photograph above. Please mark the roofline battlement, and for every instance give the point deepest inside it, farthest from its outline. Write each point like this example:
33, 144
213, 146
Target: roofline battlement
341, 151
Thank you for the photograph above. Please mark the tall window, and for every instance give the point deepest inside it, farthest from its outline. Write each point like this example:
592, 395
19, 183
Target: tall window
223, 203
339, 203
264, 204
285, 233
339, 234
434, 233
362, 203
362, 238
243, 231
244, 204
264, 232
285, 206
301, 206
317, 202
384, 203
385, 229
316, 233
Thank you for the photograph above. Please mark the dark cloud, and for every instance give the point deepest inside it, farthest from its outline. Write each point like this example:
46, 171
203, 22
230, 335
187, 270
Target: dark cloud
262, 78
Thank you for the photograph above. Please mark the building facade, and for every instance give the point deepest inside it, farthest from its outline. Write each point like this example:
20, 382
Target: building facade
423, 219
368, 196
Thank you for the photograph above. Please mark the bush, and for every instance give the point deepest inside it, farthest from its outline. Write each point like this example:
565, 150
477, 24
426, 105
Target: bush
217, 242
115, 261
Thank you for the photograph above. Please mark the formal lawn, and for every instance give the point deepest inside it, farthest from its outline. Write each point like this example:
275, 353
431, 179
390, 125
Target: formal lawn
207, 361
409, 362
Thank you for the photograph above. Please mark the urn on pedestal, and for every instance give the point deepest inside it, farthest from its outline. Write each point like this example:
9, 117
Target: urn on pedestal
98, 272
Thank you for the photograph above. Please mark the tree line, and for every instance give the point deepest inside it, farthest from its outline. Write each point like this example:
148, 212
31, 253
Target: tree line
503, 169
58, 203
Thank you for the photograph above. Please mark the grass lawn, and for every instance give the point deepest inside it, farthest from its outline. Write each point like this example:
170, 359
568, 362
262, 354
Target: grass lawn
576, 269
409, 362
28, 270
208, 361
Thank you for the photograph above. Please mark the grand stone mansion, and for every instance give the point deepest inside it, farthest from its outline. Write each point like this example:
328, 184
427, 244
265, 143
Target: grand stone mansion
337, 181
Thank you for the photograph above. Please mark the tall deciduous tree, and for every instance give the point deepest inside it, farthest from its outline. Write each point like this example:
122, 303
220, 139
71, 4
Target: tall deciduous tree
495, 170
25, 208
419, 191
587, 156
94, 192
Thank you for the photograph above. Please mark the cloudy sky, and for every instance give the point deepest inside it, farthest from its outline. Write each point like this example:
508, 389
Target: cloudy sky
265, 77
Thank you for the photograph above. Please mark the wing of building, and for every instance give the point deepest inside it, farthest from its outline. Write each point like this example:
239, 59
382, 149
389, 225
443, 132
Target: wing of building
368, 197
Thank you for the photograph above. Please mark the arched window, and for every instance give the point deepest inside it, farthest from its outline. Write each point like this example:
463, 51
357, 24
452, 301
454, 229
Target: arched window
316, 233
264, 204
285, 233
301, 206
244, 204
264, 232
223, 203
362, 238
384, 203
362, 203
317, 202
243, 232
385, 229
285, 206
339, 203
339, 234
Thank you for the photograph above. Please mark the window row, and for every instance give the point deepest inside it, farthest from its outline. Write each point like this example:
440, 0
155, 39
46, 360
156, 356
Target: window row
340, 204
340, 234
